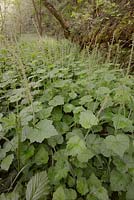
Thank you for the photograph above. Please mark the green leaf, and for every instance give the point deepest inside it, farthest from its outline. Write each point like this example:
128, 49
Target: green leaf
121, 122
94, 181
6, 162
118, 144
73, 95
53, 141
37, 187
27, 151
130, 191
41, 157
91, 197
68, 108
100, 193
43, 130
120, 164
88, 119
96, 189
103, 91
9, 122
59, 194
82, 186
56, 101
10, 196
85, 155
119, 181
17, 94
62, 168
57, 114
75, 146
45, 113
70, 194
94, 143
85, 99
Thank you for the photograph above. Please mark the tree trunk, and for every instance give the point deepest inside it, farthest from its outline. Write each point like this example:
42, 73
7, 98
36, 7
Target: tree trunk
64, 24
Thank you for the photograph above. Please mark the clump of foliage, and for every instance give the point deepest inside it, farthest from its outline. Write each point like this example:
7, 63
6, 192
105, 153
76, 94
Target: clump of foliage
66, 124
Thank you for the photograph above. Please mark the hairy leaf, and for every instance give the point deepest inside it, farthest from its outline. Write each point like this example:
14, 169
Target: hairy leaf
37, 187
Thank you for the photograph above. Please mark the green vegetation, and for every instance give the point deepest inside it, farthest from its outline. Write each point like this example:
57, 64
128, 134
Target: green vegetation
66, 124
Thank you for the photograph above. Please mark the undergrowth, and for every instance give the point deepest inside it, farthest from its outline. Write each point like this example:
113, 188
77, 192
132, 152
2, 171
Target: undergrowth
66, 124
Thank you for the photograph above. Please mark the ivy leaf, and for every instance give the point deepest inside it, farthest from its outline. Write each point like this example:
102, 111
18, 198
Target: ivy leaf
43, 130
6, 162
56, 101
59, 194
41, 157
119, 181
37, 187
118, 144
82, 186
88, 119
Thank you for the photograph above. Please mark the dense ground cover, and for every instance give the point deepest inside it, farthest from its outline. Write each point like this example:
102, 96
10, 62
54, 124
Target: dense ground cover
66, 124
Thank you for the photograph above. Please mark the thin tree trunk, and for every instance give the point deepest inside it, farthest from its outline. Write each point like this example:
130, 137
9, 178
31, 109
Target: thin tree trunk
38, 17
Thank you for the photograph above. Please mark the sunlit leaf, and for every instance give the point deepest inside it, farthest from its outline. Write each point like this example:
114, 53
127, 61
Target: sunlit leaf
88, 119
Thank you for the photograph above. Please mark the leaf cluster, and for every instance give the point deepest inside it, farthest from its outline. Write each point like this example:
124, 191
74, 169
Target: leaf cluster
74, 140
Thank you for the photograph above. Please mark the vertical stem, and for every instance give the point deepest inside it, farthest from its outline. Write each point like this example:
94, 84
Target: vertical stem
18, 131
131, 56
